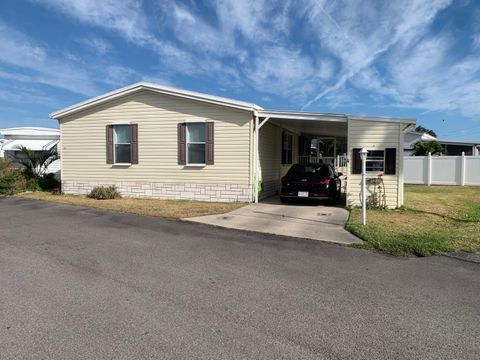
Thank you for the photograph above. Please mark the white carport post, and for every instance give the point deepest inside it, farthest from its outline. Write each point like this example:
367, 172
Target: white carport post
258, 126
363, 157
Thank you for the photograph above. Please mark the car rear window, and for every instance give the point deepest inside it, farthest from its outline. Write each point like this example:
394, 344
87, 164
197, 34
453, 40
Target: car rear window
310, 170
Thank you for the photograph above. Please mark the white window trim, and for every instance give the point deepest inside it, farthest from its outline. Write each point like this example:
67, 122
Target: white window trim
195, 120
189, 164
115, 163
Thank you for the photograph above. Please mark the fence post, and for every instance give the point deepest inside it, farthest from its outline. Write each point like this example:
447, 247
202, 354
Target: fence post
429, 169
463, 170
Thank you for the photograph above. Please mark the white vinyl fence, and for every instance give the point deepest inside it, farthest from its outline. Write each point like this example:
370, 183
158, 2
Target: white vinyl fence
442, 170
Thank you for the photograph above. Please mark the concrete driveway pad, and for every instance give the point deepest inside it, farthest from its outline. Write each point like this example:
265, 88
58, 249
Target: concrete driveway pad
307, 221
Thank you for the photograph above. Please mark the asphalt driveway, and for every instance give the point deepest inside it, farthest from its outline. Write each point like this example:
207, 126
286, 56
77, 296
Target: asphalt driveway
87, 284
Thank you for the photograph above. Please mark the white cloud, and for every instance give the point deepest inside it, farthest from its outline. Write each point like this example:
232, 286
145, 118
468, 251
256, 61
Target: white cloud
283, 71
357, 33
125, 17
427, 79
476, 41
18, 50
315, 51
98, 45
117, 75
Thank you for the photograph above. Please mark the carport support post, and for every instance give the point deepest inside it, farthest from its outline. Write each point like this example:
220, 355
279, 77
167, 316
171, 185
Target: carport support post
363, 157
257, 159
258, 125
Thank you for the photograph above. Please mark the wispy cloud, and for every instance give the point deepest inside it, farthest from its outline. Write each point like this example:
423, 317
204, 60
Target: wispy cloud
18, 50
358, 33
96, 44
125, 17
319, 52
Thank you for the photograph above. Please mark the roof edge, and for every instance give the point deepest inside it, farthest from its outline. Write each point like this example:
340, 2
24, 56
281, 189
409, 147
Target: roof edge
382, 119
139, 86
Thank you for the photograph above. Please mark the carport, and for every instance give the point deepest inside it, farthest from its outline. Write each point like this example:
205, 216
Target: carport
283, 138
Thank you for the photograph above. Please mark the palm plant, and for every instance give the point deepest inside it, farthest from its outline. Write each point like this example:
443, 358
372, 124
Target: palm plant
36, 162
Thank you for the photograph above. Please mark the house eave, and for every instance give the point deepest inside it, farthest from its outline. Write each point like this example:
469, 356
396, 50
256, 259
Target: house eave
131, 89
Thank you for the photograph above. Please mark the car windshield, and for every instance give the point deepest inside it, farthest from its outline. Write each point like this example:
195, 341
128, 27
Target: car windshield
309, 170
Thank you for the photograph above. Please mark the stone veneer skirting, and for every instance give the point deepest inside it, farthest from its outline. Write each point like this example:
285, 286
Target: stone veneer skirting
172, 191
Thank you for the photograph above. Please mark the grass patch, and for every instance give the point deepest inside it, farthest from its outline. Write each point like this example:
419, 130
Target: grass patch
170, 209
435, 219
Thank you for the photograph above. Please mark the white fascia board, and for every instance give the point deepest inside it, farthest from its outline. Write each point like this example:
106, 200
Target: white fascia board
383, 119
216, 100
299, 115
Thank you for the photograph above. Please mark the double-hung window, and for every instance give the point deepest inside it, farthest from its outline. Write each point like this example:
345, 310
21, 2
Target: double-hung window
122, 141
196, 143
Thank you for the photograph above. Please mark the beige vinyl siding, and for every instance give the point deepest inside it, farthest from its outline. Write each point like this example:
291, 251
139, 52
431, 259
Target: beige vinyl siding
271, 168
270, 158
374, 135
84, 144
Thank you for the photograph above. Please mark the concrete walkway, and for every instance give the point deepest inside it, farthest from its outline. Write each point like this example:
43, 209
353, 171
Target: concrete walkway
308, 221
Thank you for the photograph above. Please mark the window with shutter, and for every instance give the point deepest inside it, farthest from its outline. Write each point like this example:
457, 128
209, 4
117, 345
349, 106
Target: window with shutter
196, 143
122, 144
375, 161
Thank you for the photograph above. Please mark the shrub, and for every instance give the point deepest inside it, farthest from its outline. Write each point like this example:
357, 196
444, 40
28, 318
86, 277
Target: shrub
12, 180
104, 193
32, 184
48, 182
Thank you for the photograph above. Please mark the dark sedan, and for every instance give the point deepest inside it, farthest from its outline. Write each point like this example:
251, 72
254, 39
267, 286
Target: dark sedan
311, 181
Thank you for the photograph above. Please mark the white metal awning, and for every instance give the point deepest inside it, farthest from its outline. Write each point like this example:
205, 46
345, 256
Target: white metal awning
36, 145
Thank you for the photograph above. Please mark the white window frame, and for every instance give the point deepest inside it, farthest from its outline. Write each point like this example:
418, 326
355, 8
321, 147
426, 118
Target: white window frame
187, 142
376, 160
115, 143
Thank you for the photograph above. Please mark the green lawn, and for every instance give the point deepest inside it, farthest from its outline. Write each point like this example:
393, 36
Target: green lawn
435, 219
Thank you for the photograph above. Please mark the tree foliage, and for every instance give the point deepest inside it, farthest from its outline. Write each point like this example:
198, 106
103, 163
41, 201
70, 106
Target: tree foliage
36, 162
422, 129
422, 148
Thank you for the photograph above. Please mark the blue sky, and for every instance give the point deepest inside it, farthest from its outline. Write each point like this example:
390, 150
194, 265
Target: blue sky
413, 58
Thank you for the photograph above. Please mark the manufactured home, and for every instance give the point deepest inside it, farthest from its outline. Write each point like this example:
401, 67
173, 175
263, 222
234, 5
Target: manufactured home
161, 142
